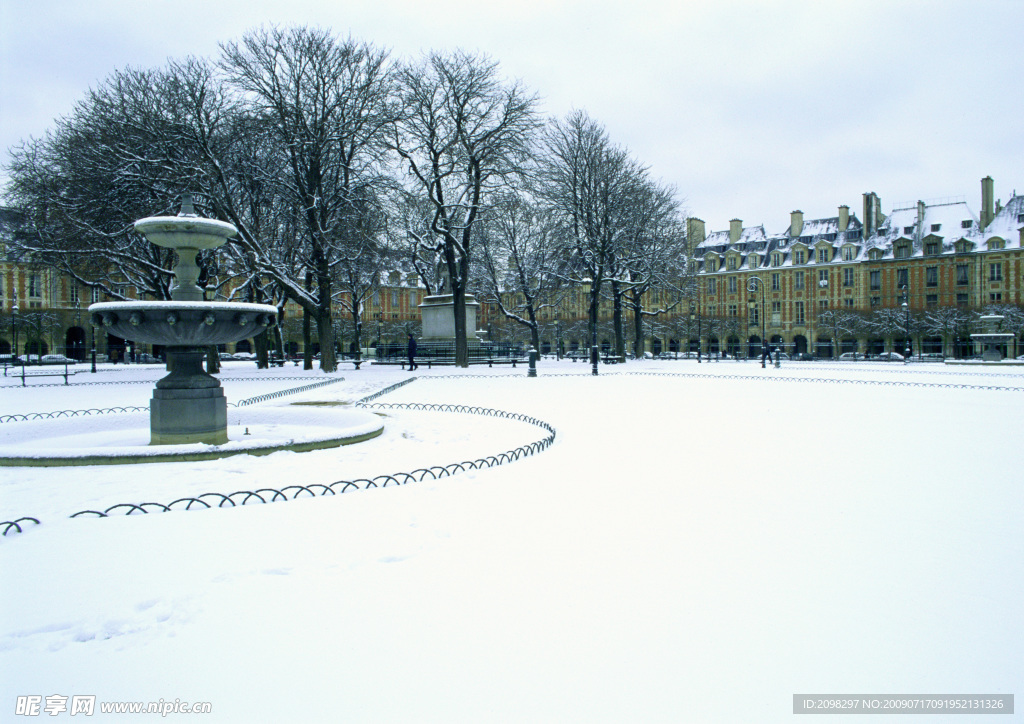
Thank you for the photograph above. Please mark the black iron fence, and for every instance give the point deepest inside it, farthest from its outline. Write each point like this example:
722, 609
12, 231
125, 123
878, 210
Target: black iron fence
444, 353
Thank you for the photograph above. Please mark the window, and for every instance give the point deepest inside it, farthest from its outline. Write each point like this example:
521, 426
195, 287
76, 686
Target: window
712, 286
776, 314
936, 227
1020, 218
712, 310
824, 255
822, 306
775, 282
995, 272
931, 300
995, 297
875, 254
849, 253
876, 279
412, 299
931, 248
776, 259
996, 245
33, 285
963, 247
799, 308
962, 299
901, 277
752, 261
732, 285
931, 276
754, 320
848, 302
961, 275
848, 276
823, 278
908, 229
798, 280
876, 301
798, 256
376, 299
96, 294
730, 263
73, 294
965, 224
901, 251
732, 310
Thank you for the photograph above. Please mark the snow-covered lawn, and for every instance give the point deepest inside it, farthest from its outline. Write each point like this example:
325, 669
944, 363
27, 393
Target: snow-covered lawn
696, 546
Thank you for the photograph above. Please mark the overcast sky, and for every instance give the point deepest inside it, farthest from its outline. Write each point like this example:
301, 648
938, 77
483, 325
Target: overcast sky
750, 108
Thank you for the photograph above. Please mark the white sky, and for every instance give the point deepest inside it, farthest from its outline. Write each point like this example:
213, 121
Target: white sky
752, 109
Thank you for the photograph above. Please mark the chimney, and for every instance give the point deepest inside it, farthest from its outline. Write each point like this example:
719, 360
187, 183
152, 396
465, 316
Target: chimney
872, 214
796, 223
920, 218
844, 217
735, 230
987, 209
695, 234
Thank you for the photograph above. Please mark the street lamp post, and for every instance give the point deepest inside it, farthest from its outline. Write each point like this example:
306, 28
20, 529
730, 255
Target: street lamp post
14, 331
906, 325
752, 286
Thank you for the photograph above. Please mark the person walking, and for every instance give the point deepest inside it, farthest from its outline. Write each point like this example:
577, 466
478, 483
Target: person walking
412, 352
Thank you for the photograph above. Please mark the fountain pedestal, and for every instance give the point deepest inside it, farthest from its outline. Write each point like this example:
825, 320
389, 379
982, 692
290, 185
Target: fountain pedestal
188, 405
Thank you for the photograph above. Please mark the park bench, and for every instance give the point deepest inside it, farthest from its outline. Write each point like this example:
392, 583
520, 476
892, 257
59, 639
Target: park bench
25, 376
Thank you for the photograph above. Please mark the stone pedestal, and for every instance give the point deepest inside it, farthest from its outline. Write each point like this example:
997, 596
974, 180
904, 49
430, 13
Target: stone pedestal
188, 405
438, 313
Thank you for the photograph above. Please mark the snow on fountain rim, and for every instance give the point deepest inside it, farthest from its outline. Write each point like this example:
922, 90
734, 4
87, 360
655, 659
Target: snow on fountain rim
130, 306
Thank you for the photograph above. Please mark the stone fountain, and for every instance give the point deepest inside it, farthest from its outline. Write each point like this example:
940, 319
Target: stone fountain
188, 405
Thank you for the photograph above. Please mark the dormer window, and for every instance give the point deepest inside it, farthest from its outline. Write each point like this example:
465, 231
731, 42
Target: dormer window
936, 227
875, 254
776, 259
824, 255
730, 263
965, 224
798, 256
752, 261
849, 253
963, 247
931, 248
901, 251
908, 230
996, 244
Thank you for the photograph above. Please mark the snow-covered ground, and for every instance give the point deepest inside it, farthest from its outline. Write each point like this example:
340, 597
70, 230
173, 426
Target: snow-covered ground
698, 545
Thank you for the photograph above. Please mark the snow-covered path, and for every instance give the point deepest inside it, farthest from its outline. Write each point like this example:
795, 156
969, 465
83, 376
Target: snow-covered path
689, 549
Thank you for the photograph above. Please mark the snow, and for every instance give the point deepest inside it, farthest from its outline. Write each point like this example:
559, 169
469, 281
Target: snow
699, 544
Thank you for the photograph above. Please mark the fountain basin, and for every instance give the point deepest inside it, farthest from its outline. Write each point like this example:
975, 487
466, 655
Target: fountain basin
190, 232
183, 324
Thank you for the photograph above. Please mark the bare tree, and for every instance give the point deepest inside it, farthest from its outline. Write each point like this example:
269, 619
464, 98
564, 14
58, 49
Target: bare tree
520, 261
463, 136
327, 104
585, 180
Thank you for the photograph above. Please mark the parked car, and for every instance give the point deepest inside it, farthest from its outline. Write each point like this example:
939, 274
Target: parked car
932, 357
780, 355
852, 356
247, 356
56, 359
11, 359
889, 356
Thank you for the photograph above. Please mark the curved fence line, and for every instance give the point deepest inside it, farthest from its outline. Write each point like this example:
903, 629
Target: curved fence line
8, 525
891, 383
282, 393
291, 492
141, 382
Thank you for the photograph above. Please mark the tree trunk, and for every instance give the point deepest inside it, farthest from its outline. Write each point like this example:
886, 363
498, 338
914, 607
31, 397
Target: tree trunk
325, 329
638, 327
262, 343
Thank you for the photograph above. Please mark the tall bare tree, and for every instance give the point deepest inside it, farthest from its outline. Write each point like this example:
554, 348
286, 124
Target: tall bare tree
327, 104
464, 135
